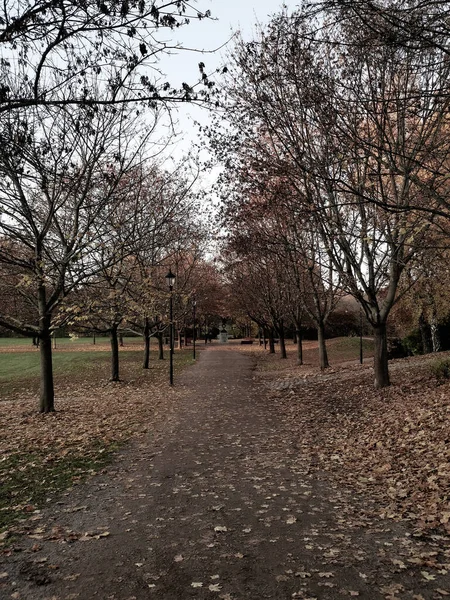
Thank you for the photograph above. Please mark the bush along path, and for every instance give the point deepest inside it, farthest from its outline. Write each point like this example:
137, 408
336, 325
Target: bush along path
220, 501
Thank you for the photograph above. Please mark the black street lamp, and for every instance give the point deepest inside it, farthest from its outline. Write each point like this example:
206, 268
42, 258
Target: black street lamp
194, 305
170, 278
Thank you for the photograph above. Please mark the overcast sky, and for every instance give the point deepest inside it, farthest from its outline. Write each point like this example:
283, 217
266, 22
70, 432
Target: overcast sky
228, 16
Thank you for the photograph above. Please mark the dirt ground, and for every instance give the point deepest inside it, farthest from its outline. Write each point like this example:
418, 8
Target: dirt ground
219, 502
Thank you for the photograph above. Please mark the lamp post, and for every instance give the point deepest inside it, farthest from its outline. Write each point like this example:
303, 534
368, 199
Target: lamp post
194, 305
170, 278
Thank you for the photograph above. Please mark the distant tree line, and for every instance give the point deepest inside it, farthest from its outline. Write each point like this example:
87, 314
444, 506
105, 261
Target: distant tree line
90, 216
337, 165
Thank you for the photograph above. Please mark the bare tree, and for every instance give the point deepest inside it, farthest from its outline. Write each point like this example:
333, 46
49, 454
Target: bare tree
414, 24
58, 52
356, 130
59, 177
168, 233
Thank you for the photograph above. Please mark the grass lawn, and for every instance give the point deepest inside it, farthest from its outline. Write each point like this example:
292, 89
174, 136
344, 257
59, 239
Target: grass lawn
41, 455
19, 371
66, 342
20, 363
340, 350
25, 365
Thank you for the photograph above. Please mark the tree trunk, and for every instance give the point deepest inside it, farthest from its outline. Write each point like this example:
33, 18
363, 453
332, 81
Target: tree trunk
160, 346
435, 337
114, 338
282, 342
265, 339
47, 392
271, 342
146, 362
380, 363
424, 334
299, 346
323, 355
47, 395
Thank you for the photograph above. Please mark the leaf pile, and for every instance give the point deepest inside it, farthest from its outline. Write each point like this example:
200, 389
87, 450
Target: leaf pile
44, 454
393, 445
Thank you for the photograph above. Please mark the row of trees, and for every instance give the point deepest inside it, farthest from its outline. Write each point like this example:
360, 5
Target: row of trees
90, 215
337, 165
89, 223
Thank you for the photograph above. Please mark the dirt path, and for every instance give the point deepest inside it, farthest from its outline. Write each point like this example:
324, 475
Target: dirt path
216, 504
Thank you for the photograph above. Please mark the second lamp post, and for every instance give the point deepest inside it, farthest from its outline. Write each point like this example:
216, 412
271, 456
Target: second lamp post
170, 278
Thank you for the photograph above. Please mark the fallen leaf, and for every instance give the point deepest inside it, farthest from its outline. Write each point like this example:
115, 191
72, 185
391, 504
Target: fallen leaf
220, 528
102, 535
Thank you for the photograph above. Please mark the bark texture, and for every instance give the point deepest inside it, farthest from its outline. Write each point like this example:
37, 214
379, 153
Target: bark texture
381, 368
114, 339
323, 354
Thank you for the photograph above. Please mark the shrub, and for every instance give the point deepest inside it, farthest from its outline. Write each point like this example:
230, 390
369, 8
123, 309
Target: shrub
441, 368
412, 343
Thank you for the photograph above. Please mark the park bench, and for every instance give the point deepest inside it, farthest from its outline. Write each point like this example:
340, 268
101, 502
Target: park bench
246, 341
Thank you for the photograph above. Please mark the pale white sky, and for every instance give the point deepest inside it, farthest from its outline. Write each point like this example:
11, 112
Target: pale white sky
227, 17
207, 35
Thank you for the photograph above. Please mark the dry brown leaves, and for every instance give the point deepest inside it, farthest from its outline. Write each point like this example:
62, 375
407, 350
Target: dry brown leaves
107, 413
92, 417
391, 444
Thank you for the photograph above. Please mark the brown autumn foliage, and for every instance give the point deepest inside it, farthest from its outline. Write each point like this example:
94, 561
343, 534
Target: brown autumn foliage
391, 445
42, 454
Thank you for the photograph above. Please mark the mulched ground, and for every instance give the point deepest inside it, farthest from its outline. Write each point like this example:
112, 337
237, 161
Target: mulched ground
247, 489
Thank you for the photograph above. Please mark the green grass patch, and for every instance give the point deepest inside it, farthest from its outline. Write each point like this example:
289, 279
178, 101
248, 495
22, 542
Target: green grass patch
339, 350
36, 473
347, 348
21, 370
29, 480
24, 365
7, 342
67, 342
441, 369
